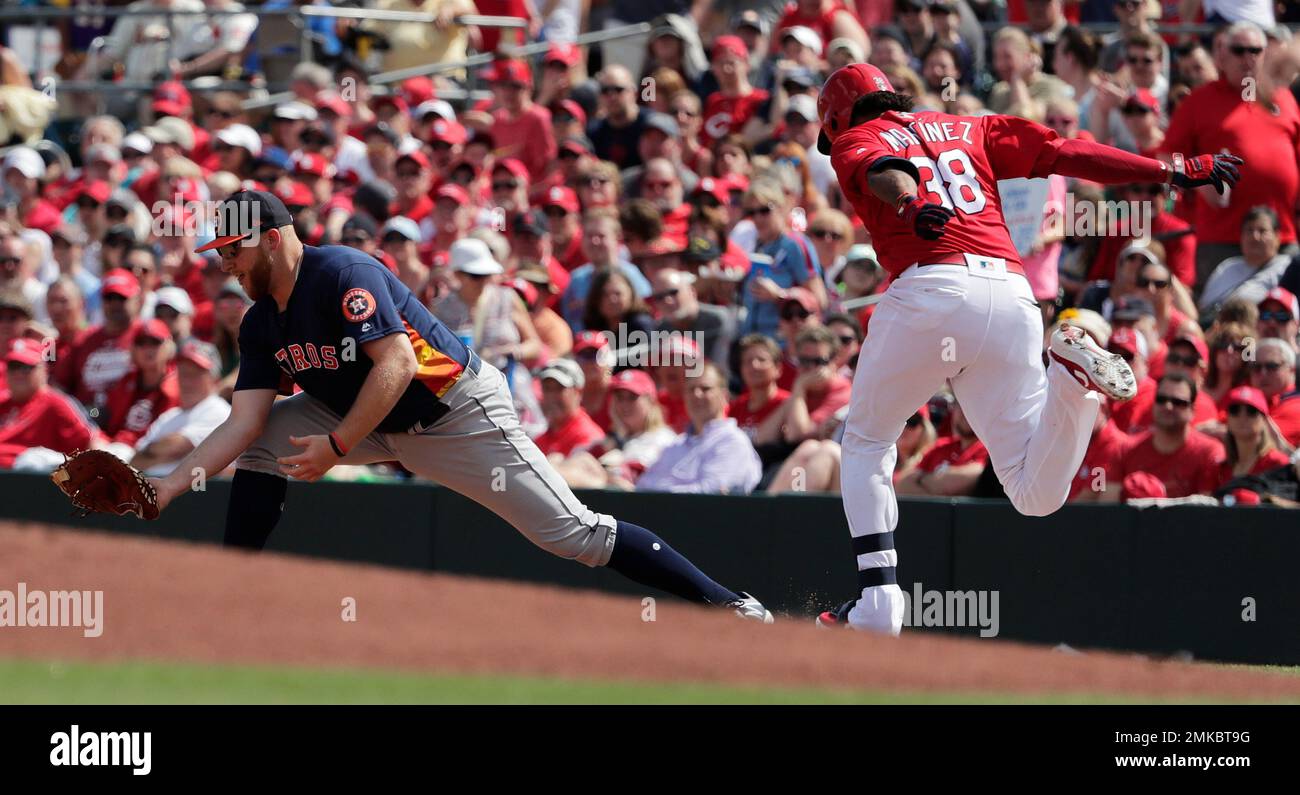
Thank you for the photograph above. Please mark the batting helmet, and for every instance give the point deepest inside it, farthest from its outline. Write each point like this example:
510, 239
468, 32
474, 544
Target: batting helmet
843, 88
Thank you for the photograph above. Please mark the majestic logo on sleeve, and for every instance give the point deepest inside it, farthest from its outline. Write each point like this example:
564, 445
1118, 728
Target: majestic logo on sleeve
358, 304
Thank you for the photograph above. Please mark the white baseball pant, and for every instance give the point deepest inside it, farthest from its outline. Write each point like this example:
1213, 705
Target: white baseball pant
983, 333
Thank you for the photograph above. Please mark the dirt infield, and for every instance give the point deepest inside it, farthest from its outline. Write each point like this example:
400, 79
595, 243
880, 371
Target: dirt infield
168, 601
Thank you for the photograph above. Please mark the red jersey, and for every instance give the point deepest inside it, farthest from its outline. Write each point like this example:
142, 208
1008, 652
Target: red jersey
572, 257
724, 115
748, 419
1191, 469
948, 452
131, 408
1214, 118
1126, 414
1105, 450
99, 360
528, 137
960, 160
49, 419
578, 433
822, 405
1271, 460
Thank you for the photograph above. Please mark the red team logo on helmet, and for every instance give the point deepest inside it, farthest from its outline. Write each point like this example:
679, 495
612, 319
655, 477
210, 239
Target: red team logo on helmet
843, 89
358, 304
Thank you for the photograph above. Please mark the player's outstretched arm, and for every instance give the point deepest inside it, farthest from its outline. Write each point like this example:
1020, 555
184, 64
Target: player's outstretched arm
1106, 164
249, 410
897, 188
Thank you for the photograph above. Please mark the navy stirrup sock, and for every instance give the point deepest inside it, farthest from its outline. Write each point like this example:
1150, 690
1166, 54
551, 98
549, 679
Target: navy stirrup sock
256, 500
644, 557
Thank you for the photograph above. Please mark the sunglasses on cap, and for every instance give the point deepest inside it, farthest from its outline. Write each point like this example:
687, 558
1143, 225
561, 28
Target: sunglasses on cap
814, 361
1243, 409
1275, 317
1170, 400
1241, 49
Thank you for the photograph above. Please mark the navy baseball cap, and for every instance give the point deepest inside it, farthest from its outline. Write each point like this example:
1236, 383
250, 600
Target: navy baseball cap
245, 214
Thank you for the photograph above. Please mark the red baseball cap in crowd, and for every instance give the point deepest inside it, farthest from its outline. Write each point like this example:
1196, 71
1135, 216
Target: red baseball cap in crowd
153, 329
295, 194
638, 382
1202, 350
678, 345
120, 282
24, 351
417, 157
572, 108
515, 166
1242, 497
417, 90
1143, 98
510, 71
391, 99
1250, 396
803, 297
1140, 485
589, 341
456, 193
715, 188
525, 289
313, 165
448, 132
1284, 297
171, 98
334, 103
1125, 340
202, 354
562, 197
98, 190
563, 52
576, 146
730, 45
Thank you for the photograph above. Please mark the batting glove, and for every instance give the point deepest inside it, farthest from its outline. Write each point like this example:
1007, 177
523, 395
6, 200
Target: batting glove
925, 218
1216, 170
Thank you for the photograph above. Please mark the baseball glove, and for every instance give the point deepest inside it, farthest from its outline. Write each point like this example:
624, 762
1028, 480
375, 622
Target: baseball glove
99, 482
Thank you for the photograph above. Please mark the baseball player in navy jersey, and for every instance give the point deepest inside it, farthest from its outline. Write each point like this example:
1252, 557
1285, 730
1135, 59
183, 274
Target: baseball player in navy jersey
383, 380
960, 308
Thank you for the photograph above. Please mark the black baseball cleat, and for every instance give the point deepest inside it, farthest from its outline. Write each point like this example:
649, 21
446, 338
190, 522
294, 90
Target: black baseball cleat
839, 617
749, 607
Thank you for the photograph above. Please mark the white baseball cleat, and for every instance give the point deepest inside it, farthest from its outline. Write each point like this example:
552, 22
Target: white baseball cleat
1094, 368
749, 607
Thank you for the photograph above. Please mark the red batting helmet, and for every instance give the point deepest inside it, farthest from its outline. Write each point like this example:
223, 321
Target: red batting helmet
843, 89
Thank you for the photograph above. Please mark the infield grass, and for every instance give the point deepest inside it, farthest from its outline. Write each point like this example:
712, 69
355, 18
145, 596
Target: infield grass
44, 682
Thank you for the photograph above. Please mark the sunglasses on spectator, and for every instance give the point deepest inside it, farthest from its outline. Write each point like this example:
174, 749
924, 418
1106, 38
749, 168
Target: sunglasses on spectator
1183, 361
1176, 402
478, 277
1130, 5
407, 173
556, 212
10, 260
1229, 346
511, 86
1266, 367
795, 313
847, 339
1135, 110
826, 234
87, 204
665, 294
814, 361
607, 89
593, 182
1241, 409
1276, 317
440, 146
752, 211
131, 154
116, 211
17, 367
914, 420
395, 237
116, 242
657, 184
147, 342
505, 184
1241, 49
222, 114
568, 154
1135, 60
165, 313
1159, 284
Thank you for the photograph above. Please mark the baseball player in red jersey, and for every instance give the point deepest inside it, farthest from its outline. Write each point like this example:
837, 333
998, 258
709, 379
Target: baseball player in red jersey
960, 309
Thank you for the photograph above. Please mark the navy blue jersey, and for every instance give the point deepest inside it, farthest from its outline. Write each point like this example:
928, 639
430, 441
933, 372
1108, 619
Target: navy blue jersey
344, 298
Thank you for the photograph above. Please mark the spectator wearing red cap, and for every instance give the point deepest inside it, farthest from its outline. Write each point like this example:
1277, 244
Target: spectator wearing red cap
568, 427
1263, 130
147, 390
510, 182
637, 422
1141, 113
562, 70
592, 351
445, 139
172, 98
1189, 356
34, 415
1278, 313
178, 430
562, 216
1273, 373
1132, 345
1253, 445
615, 134
521, 125
413, 176
103, 355
737, 106
798, 312
952, 467
453, 218
1183, 459
760, 359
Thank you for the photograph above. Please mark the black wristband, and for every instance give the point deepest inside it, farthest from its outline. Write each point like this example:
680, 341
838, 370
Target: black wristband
335, 445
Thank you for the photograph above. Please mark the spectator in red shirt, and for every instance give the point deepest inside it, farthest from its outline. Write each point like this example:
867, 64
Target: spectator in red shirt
33, 415
1189, 356
1101, 462
1183, 459
561, 206
737, 106
1175, 235
1273, 373
148, 389
952, 467
1252, 445
67, 311
523, 126
103, 355
1132, 346
1277, 315
760, 359
817, 394
592, 353
799, 312
1265, 131
569, 428
510, 186
453, 217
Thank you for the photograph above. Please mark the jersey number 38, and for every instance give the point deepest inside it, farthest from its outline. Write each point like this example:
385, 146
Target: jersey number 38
952, 179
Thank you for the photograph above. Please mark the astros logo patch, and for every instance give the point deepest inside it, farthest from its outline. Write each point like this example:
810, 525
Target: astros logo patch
358, 304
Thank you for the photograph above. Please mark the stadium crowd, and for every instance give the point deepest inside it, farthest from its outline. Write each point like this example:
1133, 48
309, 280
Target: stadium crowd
642, 234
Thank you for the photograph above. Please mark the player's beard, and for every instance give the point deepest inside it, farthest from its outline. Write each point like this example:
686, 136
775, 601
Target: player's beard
258, 281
